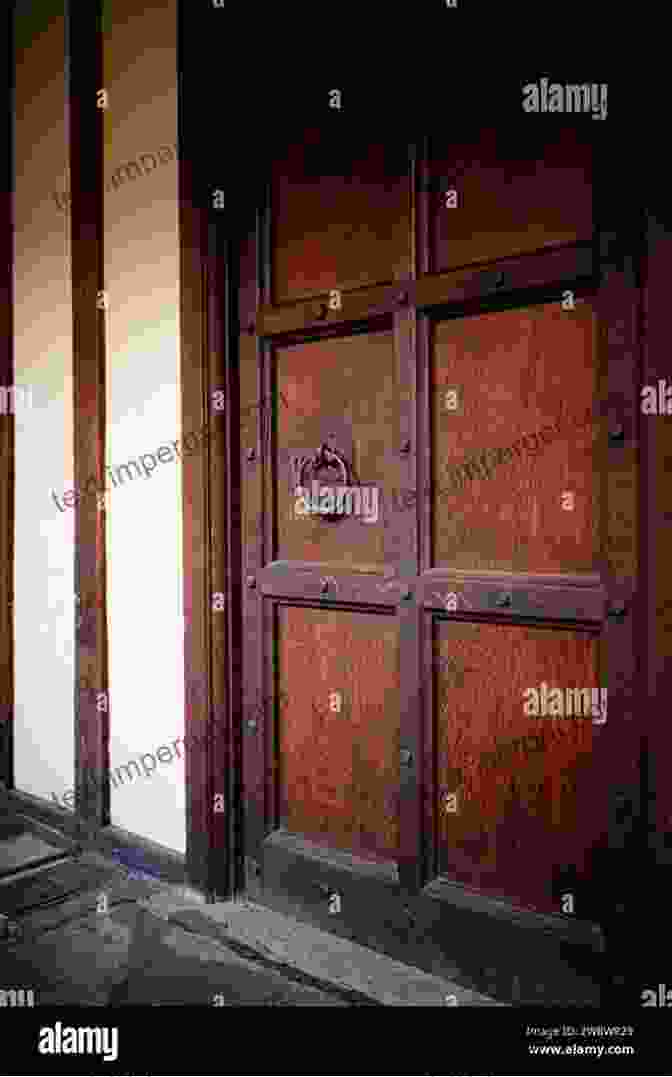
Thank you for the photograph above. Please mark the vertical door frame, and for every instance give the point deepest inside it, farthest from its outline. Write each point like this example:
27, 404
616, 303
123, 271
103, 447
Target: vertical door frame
84, 62
210, 479
7, 442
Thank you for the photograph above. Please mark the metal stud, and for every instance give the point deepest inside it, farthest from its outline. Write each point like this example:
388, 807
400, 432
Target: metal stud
617, 608
617, 432
490, 281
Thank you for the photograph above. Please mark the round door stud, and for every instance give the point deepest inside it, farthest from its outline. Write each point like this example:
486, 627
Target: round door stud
251, 454
405, 447
406, 757
324, 586
251, 582
617, 608
504, 599
617, 432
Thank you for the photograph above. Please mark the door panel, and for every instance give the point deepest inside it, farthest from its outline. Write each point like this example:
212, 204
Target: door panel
525, 382
340, 213
339, 730
530, 797
519, 190
343, 393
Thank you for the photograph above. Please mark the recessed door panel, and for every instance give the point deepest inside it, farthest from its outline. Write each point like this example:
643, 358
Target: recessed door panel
529, 802
338, 734
515, 441
518, 190
340, 393
341, 207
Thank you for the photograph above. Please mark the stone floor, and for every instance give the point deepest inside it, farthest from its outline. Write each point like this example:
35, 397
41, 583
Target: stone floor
87, 934
70, 952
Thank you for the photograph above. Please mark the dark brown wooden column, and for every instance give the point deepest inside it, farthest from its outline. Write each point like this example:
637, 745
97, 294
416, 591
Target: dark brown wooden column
84, 57
210, 506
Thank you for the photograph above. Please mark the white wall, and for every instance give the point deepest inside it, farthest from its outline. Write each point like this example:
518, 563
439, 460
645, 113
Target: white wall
44, 571
144, 525
144, 521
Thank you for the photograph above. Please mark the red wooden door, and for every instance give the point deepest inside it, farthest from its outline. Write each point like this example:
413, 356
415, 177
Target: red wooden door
436, 343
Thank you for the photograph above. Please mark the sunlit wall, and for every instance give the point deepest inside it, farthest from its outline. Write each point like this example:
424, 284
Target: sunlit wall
43, 540
144, 525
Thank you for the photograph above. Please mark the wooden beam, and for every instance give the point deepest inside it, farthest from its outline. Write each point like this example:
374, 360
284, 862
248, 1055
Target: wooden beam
84, 61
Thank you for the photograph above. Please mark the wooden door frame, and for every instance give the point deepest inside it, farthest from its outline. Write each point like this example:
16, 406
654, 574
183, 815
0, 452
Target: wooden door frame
210, 479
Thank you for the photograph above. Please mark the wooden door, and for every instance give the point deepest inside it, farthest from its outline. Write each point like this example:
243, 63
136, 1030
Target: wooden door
444, 327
